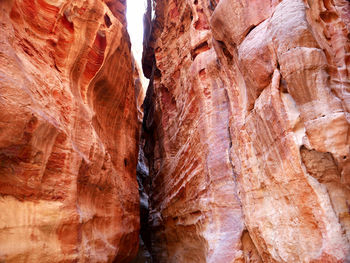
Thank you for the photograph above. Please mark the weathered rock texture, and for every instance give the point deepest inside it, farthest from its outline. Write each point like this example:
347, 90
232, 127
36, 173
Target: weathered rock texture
247, 126
68, 133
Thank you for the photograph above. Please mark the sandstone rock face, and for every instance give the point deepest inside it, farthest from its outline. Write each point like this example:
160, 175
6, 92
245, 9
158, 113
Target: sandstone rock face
195, 211
247, 130
68, 133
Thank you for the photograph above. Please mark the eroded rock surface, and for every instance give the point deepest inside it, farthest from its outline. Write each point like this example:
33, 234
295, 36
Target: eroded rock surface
247, 126
68, 133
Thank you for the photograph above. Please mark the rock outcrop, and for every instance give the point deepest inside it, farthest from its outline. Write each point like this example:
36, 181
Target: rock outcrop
68, 133
247, 130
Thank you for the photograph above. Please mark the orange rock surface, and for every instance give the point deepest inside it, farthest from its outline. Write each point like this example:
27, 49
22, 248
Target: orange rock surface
247, 130
68, 133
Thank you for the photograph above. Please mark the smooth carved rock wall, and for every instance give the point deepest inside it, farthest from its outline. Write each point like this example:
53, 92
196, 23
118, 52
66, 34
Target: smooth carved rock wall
195, 213
68, 133
248, 131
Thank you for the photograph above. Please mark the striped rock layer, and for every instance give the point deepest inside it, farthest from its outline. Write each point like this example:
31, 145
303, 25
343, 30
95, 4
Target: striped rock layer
68, 133
247, 130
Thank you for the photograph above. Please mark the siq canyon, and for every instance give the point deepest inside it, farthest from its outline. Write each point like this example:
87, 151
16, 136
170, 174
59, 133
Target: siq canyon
239, 150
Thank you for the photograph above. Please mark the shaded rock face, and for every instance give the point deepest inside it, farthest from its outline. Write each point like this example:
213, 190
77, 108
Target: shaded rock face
247, 130
68, 133
142, 171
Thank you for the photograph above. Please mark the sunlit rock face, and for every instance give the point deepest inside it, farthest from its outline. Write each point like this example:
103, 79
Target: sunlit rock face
247, 130
68, 133
195, 211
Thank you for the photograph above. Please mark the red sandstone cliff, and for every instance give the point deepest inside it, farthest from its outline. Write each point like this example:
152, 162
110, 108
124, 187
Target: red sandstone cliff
247, 126
246, 131
68, 133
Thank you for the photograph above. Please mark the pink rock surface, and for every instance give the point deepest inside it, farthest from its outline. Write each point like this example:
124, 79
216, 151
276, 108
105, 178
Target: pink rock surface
248, 131
69, 133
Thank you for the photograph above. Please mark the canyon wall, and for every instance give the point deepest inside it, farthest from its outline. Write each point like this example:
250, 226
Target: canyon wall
247, 130
69, 133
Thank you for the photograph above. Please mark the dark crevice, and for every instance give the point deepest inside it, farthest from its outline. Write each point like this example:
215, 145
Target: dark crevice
202, 47
212, 5
107, 20
146, 149
329, 17
250, 30
142, 172
225, 51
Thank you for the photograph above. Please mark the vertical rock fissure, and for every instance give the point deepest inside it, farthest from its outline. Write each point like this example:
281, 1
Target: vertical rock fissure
143, 176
